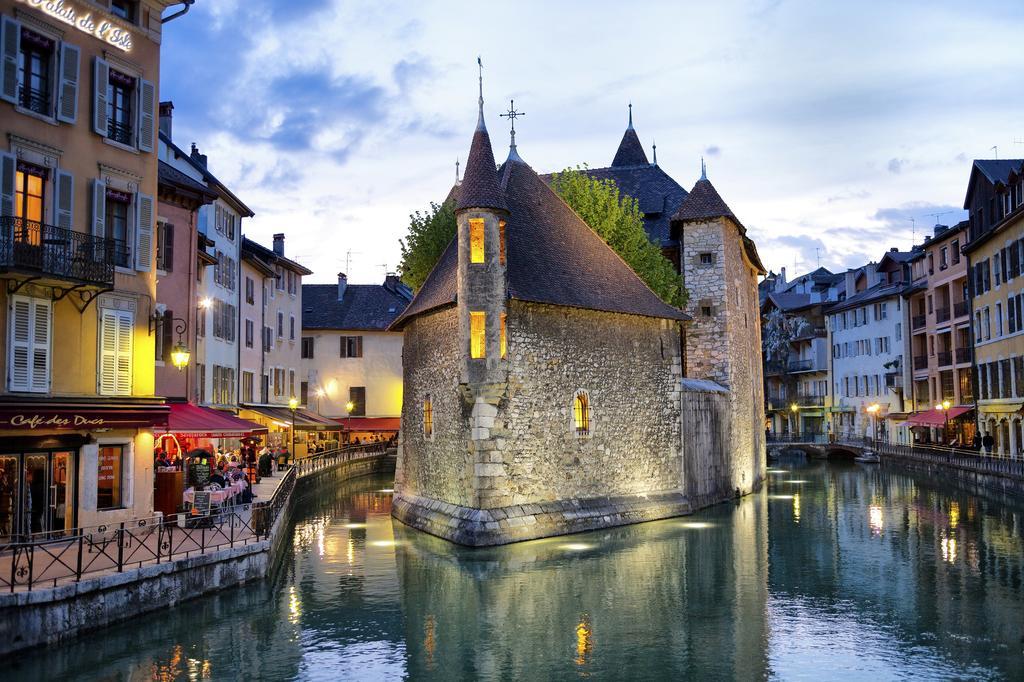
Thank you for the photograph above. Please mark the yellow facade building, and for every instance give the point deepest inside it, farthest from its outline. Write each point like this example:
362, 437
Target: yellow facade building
78, 181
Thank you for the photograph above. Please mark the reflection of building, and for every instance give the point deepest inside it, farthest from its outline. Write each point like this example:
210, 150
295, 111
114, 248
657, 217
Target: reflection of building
797, 395
940, 355
866, 350
352, 362
78, 187
995, 260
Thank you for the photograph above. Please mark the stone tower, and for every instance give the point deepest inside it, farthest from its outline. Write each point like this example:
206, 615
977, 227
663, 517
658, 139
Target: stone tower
720, 267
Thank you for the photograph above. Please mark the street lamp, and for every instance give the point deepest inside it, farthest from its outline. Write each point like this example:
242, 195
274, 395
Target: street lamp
944, 408
320, 393
793, 409
872, 409
293, 404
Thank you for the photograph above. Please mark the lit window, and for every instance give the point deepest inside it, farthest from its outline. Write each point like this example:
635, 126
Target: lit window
501, 240
477, 335
476, 241
109, 480
581, 414
428, 417
504, 346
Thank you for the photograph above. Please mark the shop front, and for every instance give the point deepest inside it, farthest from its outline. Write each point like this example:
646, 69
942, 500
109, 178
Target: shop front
67, 465
313, 433
953, 426
362, 430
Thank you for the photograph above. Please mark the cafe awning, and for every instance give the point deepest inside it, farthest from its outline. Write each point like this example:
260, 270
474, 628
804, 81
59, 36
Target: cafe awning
304, 419
937, 418
194, 421
42, 416
388, 424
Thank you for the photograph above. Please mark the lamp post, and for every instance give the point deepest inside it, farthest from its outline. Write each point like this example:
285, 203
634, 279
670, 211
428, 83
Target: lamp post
793, 409
872, 410
293, 404
319, 394
944, 408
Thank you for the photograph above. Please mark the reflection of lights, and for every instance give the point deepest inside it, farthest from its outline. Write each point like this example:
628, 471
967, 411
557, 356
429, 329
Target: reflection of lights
796, 481
576, 546
780, 497
353, 526
351, 551
875, 519
584, 642
948, 546
293, 605
320, 540
697, 524
383, 543
429, 640
954, 514
386, 490
796, 508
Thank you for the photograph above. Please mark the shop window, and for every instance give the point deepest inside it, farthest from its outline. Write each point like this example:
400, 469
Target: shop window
581, 413
110, 477
477, 335
357, 396
428, 417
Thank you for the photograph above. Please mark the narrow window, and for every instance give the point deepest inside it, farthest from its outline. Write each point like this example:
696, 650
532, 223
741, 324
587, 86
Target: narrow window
504, 346
477, 335
116, 224
120, 113
581, 414
428, 417
476, 240
501, 240
34, 65
357, 396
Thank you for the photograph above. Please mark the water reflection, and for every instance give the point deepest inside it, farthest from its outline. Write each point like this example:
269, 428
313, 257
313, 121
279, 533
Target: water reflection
858, 571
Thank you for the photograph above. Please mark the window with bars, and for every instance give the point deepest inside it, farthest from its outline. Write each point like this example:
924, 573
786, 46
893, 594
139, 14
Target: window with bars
428, 417
581, 413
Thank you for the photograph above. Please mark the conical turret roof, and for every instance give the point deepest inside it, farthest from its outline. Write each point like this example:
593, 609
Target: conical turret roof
704, 201
480, 187
630, 151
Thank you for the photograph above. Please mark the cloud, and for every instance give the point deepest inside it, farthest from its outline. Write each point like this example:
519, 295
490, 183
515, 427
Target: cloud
896, 165
921, 214
713, 150
848, 196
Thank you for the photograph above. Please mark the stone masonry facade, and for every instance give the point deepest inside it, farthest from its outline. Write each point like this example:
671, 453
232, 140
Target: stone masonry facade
723, 342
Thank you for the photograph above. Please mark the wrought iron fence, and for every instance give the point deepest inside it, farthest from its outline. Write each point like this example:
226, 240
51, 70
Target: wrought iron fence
972, 460
325, 460
805, 437
51, 250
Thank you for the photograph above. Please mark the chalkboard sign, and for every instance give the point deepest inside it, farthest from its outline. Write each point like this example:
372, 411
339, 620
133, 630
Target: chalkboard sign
199, 469
201, 503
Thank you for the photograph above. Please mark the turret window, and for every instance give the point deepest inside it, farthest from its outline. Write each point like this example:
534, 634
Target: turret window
476, 241
504, 345
501, 241
478, 335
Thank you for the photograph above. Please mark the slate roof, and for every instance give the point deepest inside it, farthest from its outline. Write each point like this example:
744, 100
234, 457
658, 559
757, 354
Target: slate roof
998, 170
630, 151
875, 293
364, 307
268, 256
479, 187
704, 202
228, 195
169, 175
788, 301
658, 195
552, 256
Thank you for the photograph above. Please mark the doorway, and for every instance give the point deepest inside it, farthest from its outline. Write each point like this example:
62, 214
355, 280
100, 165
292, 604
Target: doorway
37, 493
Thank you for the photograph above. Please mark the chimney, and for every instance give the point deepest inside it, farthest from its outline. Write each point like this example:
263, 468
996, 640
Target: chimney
851, 283
279, 244
894, 250
197, 157
939, 229
166, 113
871, 271
342, 284
391, 281
780, 281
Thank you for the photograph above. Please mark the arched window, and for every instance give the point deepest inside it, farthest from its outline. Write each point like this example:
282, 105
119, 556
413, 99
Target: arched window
581, 413
428, 417
476, 240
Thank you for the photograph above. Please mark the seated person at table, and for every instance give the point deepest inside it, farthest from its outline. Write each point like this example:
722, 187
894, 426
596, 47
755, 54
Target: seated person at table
162, 461
218, 477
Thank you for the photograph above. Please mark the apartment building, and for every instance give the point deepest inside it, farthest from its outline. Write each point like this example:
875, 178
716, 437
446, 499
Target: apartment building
995, 263
78, 188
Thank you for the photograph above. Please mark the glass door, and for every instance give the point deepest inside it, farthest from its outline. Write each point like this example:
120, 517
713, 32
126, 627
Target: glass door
61, 502
9, 489
35, 497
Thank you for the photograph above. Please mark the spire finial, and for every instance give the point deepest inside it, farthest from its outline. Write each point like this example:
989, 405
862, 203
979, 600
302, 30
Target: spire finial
703, 170
512, 115
654, 146
630, 126
480, 121
457, 170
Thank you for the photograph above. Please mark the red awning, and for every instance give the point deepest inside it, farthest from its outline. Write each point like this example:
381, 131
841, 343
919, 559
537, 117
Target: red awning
935, 417
194, 421
55, 415
371, 423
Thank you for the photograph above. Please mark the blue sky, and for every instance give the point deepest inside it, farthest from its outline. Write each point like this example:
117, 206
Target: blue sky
825, 126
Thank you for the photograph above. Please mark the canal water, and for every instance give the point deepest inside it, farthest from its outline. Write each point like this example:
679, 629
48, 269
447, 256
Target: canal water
836, 570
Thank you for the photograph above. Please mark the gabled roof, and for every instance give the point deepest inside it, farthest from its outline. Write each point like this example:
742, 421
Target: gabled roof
996, 171
209, 177
269, 257
630, 151
875, 293
552, 256
788, 301
364, 307
172, 177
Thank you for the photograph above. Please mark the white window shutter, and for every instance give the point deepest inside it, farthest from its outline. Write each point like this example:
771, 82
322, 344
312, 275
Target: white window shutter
115, 375
10, 44
40, 348
8, 166
64, 184
124, 353
143, 232
18, 365
100, 80
67, 102
147, 115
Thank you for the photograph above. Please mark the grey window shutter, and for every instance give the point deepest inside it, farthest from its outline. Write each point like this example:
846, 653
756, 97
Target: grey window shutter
147, 115
143, 232
8, 165
168, 247
67, 107
64, 184
10, 43
99, 207
100, 79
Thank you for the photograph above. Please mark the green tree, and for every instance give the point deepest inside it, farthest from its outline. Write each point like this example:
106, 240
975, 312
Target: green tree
429, 234
617, 220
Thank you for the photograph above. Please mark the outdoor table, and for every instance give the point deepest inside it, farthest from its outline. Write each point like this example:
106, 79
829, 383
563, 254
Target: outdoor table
217, 496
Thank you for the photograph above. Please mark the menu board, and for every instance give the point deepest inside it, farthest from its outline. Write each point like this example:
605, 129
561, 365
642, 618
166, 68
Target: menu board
199, 469
201, 503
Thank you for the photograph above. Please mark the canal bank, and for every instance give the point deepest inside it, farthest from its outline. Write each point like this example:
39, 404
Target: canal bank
147, 567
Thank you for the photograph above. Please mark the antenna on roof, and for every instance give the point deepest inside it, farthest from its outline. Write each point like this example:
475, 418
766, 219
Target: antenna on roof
938, 215
995, 148
348, 260
385, 266
913, 231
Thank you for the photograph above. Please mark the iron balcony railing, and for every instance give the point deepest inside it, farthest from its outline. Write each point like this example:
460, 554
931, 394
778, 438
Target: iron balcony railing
810, 400
37, 248
920, 362
918, 321
801, 365
35, 100
942, 314
964, 355
945, 358
119, 132
961, 309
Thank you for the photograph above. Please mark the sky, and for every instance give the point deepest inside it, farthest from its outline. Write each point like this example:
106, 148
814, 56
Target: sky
834, 131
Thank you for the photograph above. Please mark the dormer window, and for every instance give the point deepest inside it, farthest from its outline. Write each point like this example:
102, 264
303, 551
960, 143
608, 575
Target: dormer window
476, 240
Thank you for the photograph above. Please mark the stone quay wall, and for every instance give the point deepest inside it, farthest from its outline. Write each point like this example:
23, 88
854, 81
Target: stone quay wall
49, 615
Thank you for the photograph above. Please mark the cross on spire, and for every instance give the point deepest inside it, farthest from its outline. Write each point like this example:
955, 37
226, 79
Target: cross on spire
512, 115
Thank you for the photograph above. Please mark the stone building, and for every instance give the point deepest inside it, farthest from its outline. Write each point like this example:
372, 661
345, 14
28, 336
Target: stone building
542, 377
